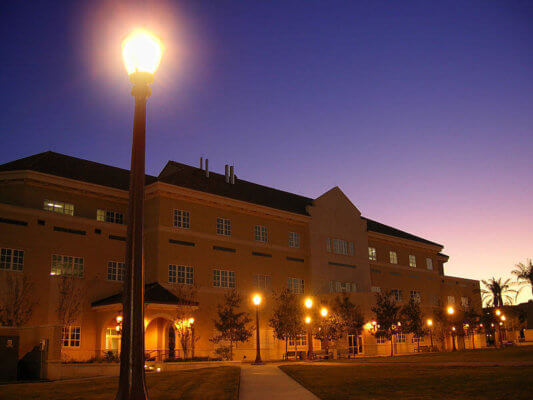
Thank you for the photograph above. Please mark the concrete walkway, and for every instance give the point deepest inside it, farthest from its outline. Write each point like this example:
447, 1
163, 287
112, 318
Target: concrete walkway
268, 382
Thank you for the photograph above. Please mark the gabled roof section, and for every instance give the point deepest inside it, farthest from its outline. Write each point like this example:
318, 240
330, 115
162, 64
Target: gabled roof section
78, 169
189, 177
153, 293
374, 226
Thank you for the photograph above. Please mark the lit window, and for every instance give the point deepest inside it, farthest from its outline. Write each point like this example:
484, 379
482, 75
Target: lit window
67, 265
180, 274
301, 340
182, 219
263, 282
223, 226
295, 285
58, 207
294, 239
223, 278
429, 263
109, 216
393, 257
11, 259
260, 233
412, 261
115, 271
451, 300
465, 302
400, 338
415, 295
396, 294
71, 336
375, 289
380, 339
372, 255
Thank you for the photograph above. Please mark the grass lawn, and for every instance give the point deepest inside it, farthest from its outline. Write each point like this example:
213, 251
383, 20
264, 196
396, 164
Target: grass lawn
413, 382
206, 383
519, 353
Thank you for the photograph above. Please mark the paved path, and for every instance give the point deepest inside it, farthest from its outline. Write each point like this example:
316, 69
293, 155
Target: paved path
268, 382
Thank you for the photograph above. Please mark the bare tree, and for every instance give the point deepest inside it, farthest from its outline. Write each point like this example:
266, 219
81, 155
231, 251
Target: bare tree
17, 299
184, 312
71, 293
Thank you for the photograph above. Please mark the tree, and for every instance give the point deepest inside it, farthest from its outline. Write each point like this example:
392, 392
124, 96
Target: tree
349, 315
524, 274
231, 325
187, 294
411, 318
497, 292
329, 329
287, 318
386, 311
16, 299
471, 321
71, 293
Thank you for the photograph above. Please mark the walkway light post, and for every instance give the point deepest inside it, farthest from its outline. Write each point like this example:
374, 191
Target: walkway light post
257, 301
141, 52
450, 310
310, 355
429, 323
191, 324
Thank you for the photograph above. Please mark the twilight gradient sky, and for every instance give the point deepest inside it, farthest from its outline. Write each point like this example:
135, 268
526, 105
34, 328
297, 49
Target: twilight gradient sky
420, 112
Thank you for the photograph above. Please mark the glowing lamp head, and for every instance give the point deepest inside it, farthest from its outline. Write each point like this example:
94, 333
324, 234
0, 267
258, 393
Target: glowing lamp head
451, 310
191, 321
308, 302
429, 322
141, 52
374, 323
119, 319
453, 328
324, 312
498, 312
257, 299
503, 318
117, 328
307, 320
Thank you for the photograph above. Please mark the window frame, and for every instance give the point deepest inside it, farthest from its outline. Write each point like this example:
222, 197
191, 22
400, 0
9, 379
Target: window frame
261, 233
263, 282
115, 271
429, 263
393, 257
58, 207
296, 285
8, 261
73, 264
71, 335
224, 275
412, 260
179, 274
181, 218
372, 254
223, 226
294, 239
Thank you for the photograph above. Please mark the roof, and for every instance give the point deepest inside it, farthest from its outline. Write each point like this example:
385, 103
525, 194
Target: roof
194, 178
378, 227
153, 293
78, 169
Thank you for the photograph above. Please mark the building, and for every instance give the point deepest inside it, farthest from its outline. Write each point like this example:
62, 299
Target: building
61, 215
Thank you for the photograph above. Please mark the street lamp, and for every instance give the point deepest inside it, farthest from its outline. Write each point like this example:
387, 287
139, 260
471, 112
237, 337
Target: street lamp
324, 312
257, 301
309, 304
141, 52
450, 310
191, 324
429, 323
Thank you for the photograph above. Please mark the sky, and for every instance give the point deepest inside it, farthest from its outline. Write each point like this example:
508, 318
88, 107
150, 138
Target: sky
420, 111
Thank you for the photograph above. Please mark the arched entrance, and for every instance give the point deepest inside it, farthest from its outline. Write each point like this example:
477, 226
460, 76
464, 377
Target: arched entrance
157, 339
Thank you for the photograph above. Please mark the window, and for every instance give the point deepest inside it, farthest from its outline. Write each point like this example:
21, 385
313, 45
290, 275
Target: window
67, 265
342, 287
182, 219
451, 300
412, 261
372, 255
375, 289
416, 339
115, 271
328, 245
180, 274
58, 207
380, 339
301, 340
393, 257
342, 247
415, 295
11, 259
434, 300
263, 282
465, 302
294, 239
400, 338
109, 216
223, 278
223, 226
429, 263
295, 285
260, 233
71, 336
396, 294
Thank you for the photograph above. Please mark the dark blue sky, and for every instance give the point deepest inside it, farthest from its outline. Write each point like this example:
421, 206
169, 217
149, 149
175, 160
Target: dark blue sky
420, 111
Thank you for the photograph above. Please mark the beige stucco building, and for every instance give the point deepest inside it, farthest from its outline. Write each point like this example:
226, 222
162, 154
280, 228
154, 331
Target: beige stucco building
213, 232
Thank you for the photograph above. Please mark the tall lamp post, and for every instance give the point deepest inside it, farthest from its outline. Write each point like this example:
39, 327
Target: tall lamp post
450, 312
257, 301
429, 323
310, 355
191, 324
141, 52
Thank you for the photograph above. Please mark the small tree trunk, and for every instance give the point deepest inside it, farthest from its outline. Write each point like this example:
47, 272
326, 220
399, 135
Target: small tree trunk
286, 347
473, 344
295, 349
391, 346
231, 350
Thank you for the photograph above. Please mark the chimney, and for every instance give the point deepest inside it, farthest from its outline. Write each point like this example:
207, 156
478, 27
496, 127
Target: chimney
207, 168
232, 174
201, 163
226, 172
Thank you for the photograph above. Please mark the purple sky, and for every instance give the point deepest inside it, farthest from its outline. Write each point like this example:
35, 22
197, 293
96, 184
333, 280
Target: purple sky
420, 112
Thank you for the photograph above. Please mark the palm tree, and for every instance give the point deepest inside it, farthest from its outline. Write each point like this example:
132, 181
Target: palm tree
524, 274
497, 293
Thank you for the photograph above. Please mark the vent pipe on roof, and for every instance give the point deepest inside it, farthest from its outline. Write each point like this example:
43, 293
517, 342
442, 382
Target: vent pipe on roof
226, 172
207, 168
232, 174
201, 163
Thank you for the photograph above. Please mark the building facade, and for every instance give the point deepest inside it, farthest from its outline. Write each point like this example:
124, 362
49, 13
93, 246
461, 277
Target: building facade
205, 233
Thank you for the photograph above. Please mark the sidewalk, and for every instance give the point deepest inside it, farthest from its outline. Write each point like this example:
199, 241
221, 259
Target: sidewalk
268, 382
